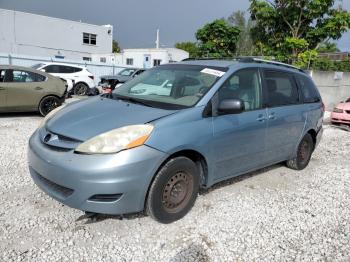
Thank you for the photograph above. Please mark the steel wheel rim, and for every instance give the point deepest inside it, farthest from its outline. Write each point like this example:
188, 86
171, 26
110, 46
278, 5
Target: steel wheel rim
49, 104
177, 192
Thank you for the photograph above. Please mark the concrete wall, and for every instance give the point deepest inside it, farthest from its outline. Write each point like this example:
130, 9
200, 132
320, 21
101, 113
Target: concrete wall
31, 34
332, 90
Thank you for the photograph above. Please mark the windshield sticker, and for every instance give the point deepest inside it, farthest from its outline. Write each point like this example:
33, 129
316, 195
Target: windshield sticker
213, 72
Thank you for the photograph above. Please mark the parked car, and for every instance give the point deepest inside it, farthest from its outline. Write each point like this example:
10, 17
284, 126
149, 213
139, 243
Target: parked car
341, 113
25, 89
157, 150
83, 79
123, 76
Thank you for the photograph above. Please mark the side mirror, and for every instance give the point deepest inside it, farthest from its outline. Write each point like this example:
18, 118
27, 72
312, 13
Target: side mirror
231, 106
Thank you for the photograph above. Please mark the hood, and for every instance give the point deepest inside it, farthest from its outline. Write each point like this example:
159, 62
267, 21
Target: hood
344, 106
94, 116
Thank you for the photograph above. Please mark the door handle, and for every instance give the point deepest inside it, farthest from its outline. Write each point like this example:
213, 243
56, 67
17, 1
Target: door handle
272, 116
261, 118
2, 88
38, 88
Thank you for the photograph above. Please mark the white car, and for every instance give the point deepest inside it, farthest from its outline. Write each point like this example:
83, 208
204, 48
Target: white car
81, 77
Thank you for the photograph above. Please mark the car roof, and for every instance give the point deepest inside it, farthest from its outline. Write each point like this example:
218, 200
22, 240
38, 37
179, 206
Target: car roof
243, 61
14, 67
63, 64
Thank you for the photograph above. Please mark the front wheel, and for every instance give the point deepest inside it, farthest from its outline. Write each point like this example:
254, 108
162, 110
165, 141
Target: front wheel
305, 149
173, 191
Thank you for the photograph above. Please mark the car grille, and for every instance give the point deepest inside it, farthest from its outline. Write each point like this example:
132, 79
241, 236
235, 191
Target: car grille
58, 190
58, 142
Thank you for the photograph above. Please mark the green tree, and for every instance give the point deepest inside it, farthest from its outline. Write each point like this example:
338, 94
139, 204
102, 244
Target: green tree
190, 47
328, 47
115, 47
217, 39
245, 41
288, 28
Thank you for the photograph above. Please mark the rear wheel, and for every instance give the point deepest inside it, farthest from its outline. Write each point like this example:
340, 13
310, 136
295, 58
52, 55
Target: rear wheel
81, 89
48, 103
305, 149
173, 191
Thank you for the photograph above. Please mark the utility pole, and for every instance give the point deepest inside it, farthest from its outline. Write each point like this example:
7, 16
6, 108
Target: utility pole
158, 40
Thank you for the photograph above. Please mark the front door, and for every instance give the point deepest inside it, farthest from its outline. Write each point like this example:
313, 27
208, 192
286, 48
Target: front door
239, 139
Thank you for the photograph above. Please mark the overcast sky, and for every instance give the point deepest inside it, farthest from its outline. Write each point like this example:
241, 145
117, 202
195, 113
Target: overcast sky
135, 21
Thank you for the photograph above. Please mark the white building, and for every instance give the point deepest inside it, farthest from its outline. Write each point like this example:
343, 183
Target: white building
143, 57
31, 34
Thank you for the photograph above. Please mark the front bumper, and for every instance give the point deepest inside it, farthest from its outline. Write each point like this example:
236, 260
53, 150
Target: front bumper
84, 181
341, 118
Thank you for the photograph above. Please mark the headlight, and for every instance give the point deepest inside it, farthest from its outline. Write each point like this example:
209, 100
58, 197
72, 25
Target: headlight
337, 110
50, 115
116, 140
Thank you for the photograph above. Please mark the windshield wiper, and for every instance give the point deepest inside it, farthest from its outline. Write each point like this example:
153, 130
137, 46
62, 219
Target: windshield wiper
132, 100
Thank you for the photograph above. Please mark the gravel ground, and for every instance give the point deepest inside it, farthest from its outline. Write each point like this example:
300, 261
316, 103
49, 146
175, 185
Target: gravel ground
275, 214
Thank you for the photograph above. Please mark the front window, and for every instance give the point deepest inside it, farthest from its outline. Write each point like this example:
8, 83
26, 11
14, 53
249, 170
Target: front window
171, 86
244, 85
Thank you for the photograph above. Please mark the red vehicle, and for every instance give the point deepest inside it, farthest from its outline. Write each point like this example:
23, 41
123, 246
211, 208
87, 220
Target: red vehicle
341, 113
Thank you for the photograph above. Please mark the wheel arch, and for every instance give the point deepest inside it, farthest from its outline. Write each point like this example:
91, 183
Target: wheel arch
45, 96
195, 156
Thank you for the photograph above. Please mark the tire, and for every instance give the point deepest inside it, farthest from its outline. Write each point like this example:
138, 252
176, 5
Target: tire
81, 89
304, 153
48, 103
173, 191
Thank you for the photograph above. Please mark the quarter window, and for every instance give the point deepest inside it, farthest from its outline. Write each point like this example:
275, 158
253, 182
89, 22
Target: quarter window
244, 85
281, 89
308, 90
89, 39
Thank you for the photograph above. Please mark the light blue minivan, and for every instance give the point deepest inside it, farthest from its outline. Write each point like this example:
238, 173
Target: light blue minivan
156, 140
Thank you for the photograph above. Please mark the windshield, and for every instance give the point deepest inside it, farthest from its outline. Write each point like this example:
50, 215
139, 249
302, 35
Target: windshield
171, 86
36, 66
127, 72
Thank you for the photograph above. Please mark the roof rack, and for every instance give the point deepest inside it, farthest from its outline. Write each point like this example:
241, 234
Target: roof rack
259, 60
249, 59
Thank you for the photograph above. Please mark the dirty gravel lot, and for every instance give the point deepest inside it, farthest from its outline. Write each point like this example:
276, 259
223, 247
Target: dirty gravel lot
275, 214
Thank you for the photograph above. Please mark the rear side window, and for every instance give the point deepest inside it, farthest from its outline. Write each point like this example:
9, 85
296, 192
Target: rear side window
308, 90
281, 89
19, 76
52, 69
